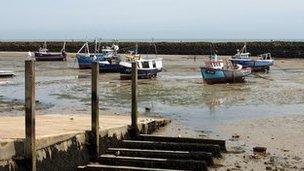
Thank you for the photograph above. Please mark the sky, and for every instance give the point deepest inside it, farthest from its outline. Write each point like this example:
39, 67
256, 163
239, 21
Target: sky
146, 19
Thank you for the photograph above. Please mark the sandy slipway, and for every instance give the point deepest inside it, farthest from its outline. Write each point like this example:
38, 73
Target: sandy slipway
283, 136
61, 140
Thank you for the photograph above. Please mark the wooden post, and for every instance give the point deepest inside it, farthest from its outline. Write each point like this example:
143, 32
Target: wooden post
30, 151
134, 112
95, 109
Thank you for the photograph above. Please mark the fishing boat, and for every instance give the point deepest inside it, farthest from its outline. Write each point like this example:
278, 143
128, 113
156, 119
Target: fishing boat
108, 59
43, 54
5, 74
242, 57
146, 68
214, 72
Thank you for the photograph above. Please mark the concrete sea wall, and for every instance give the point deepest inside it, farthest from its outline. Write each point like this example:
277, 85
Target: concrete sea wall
282, 49
68, 150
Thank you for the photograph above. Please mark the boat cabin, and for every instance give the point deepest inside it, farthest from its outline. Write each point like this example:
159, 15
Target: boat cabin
265, 56
215, 64
145, 64
215, 57
148, 64
242, 54
107, 52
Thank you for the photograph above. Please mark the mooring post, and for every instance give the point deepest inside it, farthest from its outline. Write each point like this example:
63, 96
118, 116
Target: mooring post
95, 109
30, 150
134, 112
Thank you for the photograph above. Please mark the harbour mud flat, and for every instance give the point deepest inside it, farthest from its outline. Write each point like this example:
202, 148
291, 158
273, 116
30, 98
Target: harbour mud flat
179, 94
282, 136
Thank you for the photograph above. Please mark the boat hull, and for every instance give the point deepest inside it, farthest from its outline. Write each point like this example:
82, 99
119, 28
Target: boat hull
220, 76
126, 73
6, 74
110, 68
50, 56
85, 62
255, 65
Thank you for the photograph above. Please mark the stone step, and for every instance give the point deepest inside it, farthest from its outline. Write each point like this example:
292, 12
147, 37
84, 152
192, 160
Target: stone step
162, 163
146, 137
100, 167
201, 156
171, 146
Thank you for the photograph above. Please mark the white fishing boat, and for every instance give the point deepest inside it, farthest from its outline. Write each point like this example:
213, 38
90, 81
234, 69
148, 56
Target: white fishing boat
146, 68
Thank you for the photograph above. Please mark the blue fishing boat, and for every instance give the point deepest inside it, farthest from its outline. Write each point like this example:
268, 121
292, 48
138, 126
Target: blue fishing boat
107, 58
214, 73
242, 57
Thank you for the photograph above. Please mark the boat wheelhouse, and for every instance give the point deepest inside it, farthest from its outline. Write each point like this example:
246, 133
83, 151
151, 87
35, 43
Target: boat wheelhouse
146, 68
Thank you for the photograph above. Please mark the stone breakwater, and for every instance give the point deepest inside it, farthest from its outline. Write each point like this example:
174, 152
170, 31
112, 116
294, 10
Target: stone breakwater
282, 49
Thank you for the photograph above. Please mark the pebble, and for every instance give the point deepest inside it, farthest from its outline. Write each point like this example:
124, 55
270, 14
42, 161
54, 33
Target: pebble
234, 137
297, 158
268, 168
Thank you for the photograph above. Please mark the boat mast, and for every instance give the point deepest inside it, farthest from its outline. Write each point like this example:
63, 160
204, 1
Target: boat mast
155, 48
44, 45
87, 48
95, 48
99, 45
244, 50
63, 47
136, 49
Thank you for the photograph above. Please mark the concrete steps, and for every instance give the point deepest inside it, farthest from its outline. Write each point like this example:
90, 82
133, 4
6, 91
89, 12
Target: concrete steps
152, 162
185, 155
220, 143
101, 167
174, 146
147, 152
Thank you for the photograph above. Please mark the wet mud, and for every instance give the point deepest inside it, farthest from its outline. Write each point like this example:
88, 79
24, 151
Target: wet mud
178, 93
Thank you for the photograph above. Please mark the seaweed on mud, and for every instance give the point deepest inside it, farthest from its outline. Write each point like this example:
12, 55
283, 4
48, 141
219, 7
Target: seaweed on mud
18, 105
64, 96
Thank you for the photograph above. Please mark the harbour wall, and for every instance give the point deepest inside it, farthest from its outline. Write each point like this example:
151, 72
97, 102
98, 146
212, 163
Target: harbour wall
282, 49
66, 151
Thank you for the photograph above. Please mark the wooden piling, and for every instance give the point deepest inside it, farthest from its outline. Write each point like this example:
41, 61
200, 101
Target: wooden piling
95, 109
30, 151
134, 112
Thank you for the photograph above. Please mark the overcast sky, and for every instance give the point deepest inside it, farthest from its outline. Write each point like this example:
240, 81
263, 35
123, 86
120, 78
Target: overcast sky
146, 19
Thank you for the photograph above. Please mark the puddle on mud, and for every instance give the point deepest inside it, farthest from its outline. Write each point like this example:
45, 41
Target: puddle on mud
178, 93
